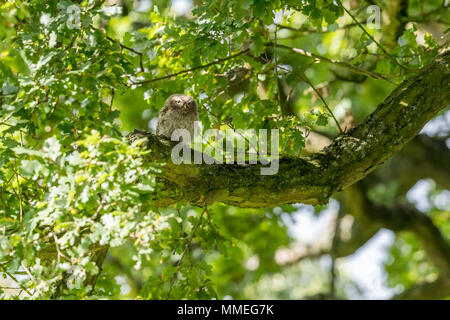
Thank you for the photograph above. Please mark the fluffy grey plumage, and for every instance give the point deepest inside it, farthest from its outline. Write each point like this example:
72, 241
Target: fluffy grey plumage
179, 112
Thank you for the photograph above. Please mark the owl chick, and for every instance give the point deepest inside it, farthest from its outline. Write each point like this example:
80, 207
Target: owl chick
179, 112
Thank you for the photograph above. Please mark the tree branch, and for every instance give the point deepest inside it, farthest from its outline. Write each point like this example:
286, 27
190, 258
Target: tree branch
314, 179
203, 66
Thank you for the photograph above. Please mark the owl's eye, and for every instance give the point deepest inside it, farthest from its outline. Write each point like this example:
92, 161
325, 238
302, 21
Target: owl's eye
178, 101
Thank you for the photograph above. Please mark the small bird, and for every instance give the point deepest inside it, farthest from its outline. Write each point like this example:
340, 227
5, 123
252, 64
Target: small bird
179, 112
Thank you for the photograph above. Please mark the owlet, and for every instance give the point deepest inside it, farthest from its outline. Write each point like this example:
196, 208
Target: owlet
179, 112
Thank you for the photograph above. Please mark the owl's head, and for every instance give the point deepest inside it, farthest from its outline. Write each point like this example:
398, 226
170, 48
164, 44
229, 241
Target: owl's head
182, 103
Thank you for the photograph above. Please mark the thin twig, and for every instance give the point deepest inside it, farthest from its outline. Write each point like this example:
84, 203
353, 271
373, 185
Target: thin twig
60, 254
192, 69
303, 77
20, 192
276, 64
324, 102
8, 117
112, 100
124, 47
28, 272
309, 31
333, 61
18, 282
186, 249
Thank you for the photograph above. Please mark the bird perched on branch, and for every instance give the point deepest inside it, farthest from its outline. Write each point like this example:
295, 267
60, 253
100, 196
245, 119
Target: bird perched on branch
179, 112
